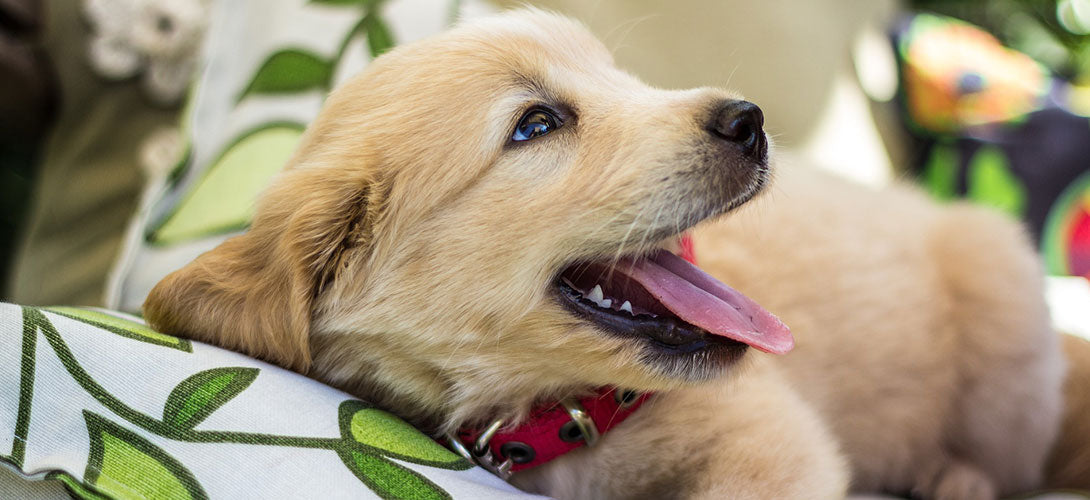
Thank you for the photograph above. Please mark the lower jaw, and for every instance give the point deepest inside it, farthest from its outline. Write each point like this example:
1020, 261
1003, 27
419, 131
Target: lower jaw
696, 358
696, 366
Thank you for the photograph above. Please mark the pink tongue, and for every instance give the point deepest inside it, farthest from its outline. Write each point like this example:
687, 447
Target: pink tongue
701, 300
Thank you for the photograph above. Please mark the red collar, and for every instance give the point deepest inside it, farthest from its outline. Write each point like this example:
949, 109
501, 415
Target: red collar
550, 431
555, 429
687, 249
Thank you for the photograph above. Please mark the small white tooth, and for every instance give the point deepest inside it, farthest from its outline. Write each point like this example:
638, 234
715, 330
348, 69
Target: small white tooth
606, 303
596, 294
627, 306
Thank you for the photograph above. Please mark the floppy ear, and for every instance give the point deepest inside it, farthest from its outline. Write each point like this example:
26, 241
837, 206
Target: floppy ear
254, 292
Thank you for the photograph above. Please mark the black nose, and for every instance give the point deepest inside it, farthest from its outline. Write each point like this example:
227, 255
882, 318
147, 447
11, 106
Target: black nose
740, 122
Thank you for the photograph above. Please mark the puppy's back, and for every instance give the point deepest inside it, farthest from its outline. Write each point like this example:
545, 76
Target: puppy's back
921, 329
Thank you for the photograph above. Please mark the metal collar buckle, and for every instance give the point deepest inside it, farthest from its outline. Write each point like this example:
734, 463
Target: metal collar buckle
481, 454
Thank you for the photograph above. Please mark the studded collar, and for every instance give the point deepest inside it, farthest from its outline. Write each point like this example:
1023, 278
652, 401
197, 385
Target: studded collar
550, 431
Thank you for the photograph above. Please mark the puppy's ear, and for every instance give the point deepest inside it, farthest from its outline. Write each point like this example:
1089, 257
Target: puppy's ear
254, 292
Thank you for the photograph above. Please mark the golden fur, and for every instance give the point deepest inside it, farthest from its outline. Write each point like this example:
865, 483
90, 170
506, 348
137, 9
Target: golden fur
1069, 465
406, 254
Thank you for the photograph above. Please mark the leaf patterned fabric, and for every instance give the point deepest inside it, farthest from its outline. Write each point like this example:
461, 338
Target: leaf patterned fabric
111, 409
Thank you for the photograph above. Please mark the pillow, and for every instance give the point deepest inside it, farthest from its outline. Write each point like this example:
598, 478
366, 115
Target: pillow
266, 68
109, 408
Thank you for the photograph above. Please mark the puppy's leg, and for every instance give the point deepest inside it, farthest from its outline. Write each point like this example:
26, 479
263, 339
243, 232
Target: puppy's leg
1009, 361
955, 480
1069, 465
748, 438
775, 448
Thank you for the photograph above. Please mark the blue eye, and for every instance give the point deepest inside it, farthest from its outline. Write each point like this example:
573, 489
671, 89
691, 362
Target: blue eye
535, 123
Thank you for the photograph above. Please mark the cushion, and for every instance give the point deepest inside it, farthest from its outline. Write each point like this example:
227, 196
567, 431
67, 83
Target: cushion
100, 403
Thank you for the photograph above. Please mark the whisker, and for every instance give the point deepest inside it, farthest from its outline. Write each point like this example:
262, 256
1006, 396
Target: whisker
620, 249
628, 26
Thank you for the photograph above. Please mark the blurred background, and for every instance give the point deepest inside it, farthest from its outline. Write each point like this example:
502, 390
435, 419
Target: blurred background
135, 134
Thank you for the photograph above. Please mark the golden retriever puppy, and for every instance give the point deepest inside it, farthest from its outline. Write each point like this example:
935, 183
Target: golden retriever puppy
475, 225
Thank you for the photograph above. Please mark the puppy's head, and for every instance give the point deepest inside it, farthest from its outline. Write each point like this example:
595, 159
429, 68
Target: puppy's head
476, 221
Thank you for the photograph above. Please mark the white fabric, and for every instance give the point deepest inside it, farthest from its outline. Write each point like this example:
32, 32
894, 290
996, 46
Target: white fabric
141, 377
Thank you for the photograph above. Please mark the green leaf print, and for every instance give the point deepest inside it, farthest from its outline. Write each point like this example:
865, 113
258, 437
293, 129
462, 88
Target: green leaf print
381, 435
196, 397
126, 466
223, 200
341, 2
390, 480
363, 3
76, 488
379, 429
123, 327
379, 39
290, 71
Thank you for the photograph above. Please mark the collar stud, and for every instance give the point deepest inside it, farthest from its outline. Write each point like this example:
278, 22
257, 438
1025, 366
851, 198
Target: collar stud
518, 452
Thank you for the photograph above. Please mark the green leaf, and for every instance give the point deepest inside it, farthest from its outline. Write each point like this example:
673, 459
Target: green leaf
290, 71
223, 200
378, 429
453, 11
125, 466
991, 182
196, 397
123, 327
76, 488
362, 3
379, 39
390, 480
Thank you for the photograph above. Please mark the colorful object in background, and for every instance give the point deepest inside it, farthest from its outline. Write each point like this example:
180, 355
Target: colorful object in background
957, 75
1066, 241
996, 129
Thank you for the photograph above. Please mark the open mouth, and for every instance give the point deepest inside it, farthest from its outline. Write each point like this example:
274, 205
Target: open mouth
673, 305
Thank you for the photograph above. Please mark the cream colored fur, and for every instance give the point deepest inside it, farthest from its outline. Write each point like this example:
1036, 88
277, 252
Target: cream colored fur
922, 337
1069, 465
406, 255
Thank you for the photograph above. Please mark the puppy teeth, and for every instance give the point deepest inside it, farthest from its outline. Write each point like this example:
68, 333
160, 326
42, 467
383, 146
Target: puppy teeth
596, 294
606, 303
627, 306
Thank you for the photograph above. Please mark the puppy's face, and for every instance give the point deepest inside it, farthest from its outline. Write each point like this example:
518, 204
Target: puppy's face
475, 222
